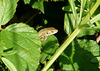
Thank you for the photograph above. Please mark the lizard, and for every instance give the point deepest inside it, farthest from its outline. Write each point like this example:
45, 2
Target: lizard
44, 33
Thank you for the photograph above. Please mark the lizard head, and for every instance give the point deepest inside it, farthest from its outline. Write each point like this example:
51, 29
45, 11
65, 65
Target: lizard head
51, 30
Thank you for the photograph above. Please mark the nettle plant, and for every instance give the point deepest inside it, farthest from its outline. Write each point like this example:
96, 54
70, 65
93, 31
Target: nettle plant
22, 50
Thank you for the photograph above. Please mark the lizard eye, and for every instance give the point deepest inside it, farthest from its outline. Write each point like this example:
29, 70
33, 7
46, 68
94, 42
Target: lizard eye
51, 31
47, 33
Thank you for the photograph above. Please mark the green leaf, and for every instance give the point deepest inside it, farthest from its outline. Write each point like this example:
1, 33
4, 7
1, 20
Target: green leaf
9, 64
36, 4
1, 50
51, 69
95, 59
67, 8
7, 10
90, 13
97, 23
89, 31
25, 41
54, 0
83, 2
89, 4
78, 56
69, 23
48, 48
7, 52
72, 4
96, 18
26, 1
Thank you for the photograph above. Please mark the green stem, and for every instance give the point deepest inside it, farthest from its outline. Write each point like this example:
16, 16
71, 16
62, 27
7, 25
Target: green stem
69, 40
31, 18
61, 49
91, 12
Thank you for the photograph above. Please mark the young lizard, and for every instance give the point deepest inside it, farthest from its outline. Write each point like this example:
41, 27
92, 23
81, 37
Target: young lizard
44, 33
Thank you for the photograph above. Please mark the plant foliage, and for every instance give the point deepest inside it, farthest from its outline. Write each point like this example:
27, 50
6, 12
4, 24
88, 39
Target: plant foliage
21, 49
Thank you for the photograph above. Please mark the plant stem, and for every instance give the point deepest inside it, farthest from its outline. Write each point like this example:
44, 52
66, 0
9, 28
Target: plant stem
91, 12
61, 49
31, 18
